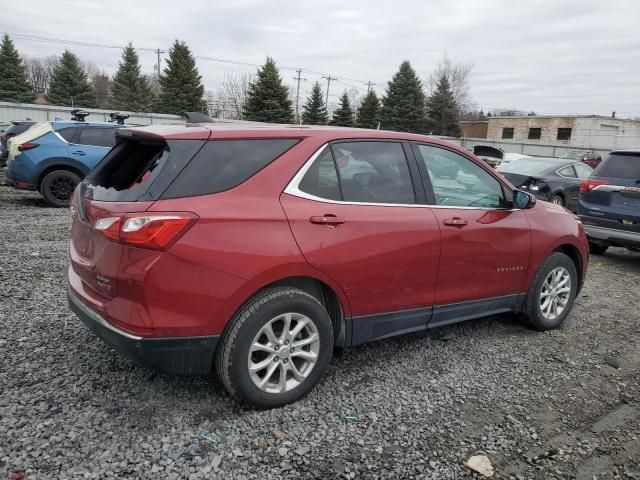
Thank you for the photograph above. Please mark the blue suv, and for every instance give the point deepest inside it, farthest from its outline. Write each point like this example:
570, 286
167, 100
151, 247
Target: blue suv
53, 157
609, 204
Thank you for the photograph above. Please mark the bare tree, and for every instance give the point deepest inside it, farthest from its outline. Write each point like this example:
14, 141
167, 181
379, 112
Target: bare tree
102, 85
458, 74
39, 72
228, 101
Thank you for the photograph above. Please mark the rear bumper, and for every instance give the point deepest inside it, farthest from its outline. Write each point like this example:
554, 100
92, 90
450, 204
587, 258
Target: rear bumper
180, 355
612, 236
12, 180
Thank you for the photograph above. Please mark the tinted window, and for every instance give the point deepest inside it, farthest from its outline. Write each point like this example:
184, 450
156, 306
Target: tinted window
583, 171
373, 172
321, 180
98, 137
567, 172
224, 164
459, 182
68, 133
620, 165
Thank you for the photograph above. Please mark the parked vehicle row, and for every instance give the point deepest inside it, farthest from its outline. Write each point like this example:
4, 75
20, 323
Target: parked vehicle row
257, 250
52, 157
16, 128
552, 179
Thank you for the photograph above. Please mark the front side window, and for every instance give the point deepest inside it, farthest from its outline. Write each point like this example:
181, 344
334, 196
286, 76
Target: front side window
458, 181
361, 172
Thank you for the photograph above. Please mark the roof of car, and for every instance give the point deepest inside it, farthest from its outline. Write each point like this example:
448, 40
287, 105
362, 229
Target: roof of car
74, 123
261, 130
629, 151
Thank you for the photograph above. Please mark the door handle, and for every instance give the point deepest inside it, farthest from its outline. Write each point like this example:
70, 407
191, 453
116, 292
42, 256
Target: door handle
455, 222
79, 152
328, 219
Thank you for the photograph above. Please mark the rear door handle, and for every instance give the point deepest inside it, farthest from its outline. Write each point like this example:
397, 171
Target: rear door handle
455, 222
79, 152
328, 219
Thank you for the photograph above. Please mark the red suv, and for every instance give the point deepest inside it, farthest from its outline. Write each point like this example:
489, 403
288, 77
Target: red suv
258, 249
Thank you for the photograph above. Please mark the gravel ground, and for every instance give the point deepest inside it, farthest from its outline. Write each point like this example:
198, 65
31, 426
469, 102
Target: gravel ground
561, 404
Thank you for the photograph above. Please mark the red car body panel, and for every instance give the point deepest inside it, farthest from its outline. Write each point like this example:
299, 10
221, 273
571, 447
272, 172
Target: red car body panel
382, 259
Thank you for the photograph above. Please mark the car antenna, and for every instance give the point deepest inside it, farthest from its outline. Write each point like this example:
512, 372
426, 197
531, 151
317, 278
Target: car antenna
117, 117
78, 115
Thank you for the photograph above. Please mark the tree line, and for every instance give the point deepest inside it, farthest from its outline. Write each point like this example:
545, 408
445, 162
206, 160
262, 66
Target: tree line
404, 106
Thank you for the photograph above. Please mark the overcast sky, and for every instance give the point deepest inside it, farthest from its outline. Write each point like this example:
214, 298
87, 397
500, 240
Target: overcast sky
573, 56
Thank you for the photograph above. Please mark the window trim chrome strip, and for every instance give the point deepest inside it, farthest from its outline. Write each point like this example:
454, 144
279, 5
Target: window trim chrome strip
293, 189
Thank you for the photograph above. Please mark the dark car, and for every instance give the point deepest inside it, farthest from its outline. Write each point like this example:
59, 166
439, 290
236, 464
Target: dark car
16, 128
255, 250
610, 203
556, 180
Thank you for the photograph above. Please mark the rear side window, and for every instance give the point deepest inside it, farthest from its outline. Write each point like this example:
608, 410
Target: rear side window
321, 180
98, 137
620, 165
140, 169
224, 164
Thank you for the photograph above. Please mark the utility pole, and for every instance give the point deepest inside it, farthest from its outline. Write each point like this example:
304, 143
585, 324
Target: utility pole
158, 51
298, 78
369, 85
329, 78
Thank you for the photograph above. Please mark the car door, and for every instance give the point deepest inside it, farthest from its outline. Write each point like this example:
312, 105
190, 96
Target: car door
358, 213
485, 244
91, 144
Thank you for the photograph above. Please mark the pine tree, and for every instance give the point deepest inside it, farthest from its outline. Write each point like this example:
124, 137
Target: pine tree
131, 89
69, 85
403, 103
442, 110
369, 111
314, 111
180, 82
267, 98
343, 115
14, 86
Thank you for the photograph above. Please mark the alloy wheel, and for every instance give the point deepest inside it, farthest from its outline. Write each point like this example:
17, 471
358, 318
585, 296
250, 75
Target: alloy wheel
62, 187
284, 352
555, 293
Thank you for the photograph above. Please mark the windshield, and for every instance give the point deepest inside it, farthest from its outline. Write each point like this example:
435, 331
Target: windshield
529, 166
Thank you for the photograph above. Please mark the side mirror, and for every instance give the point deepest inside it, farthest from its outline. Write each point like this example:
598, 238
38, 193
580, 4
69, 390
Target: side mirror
523, 200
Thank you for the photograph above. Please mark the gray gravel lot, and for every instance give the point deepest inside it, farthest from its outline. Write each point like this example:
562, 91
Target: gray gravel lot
539, 405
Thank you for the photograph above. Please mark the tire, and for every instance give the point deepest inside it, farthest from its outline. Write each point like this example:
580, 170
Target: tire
558, 200
597, 249
57, 187
270, 307
536, 316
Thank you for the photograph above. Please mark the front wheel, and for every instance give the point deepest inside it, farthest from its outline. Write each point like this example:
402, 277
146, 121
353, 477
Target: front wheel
57, 187
552, 292
276, 348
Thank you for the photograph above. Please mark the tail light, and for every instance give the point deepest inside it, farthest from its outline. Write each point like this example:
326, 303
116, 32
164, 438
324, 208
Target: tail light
23, 147
152, 231
589, 184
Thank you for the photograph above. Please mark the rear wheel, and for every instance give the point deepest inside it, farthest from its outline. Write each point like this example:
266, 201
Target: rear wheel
597, 249
558, 199
552, 293
276, 348
58, 186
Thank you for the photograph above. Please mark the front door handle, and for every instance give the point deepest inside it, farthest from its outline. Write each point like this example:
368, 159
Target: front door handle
328, 219
455, 222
